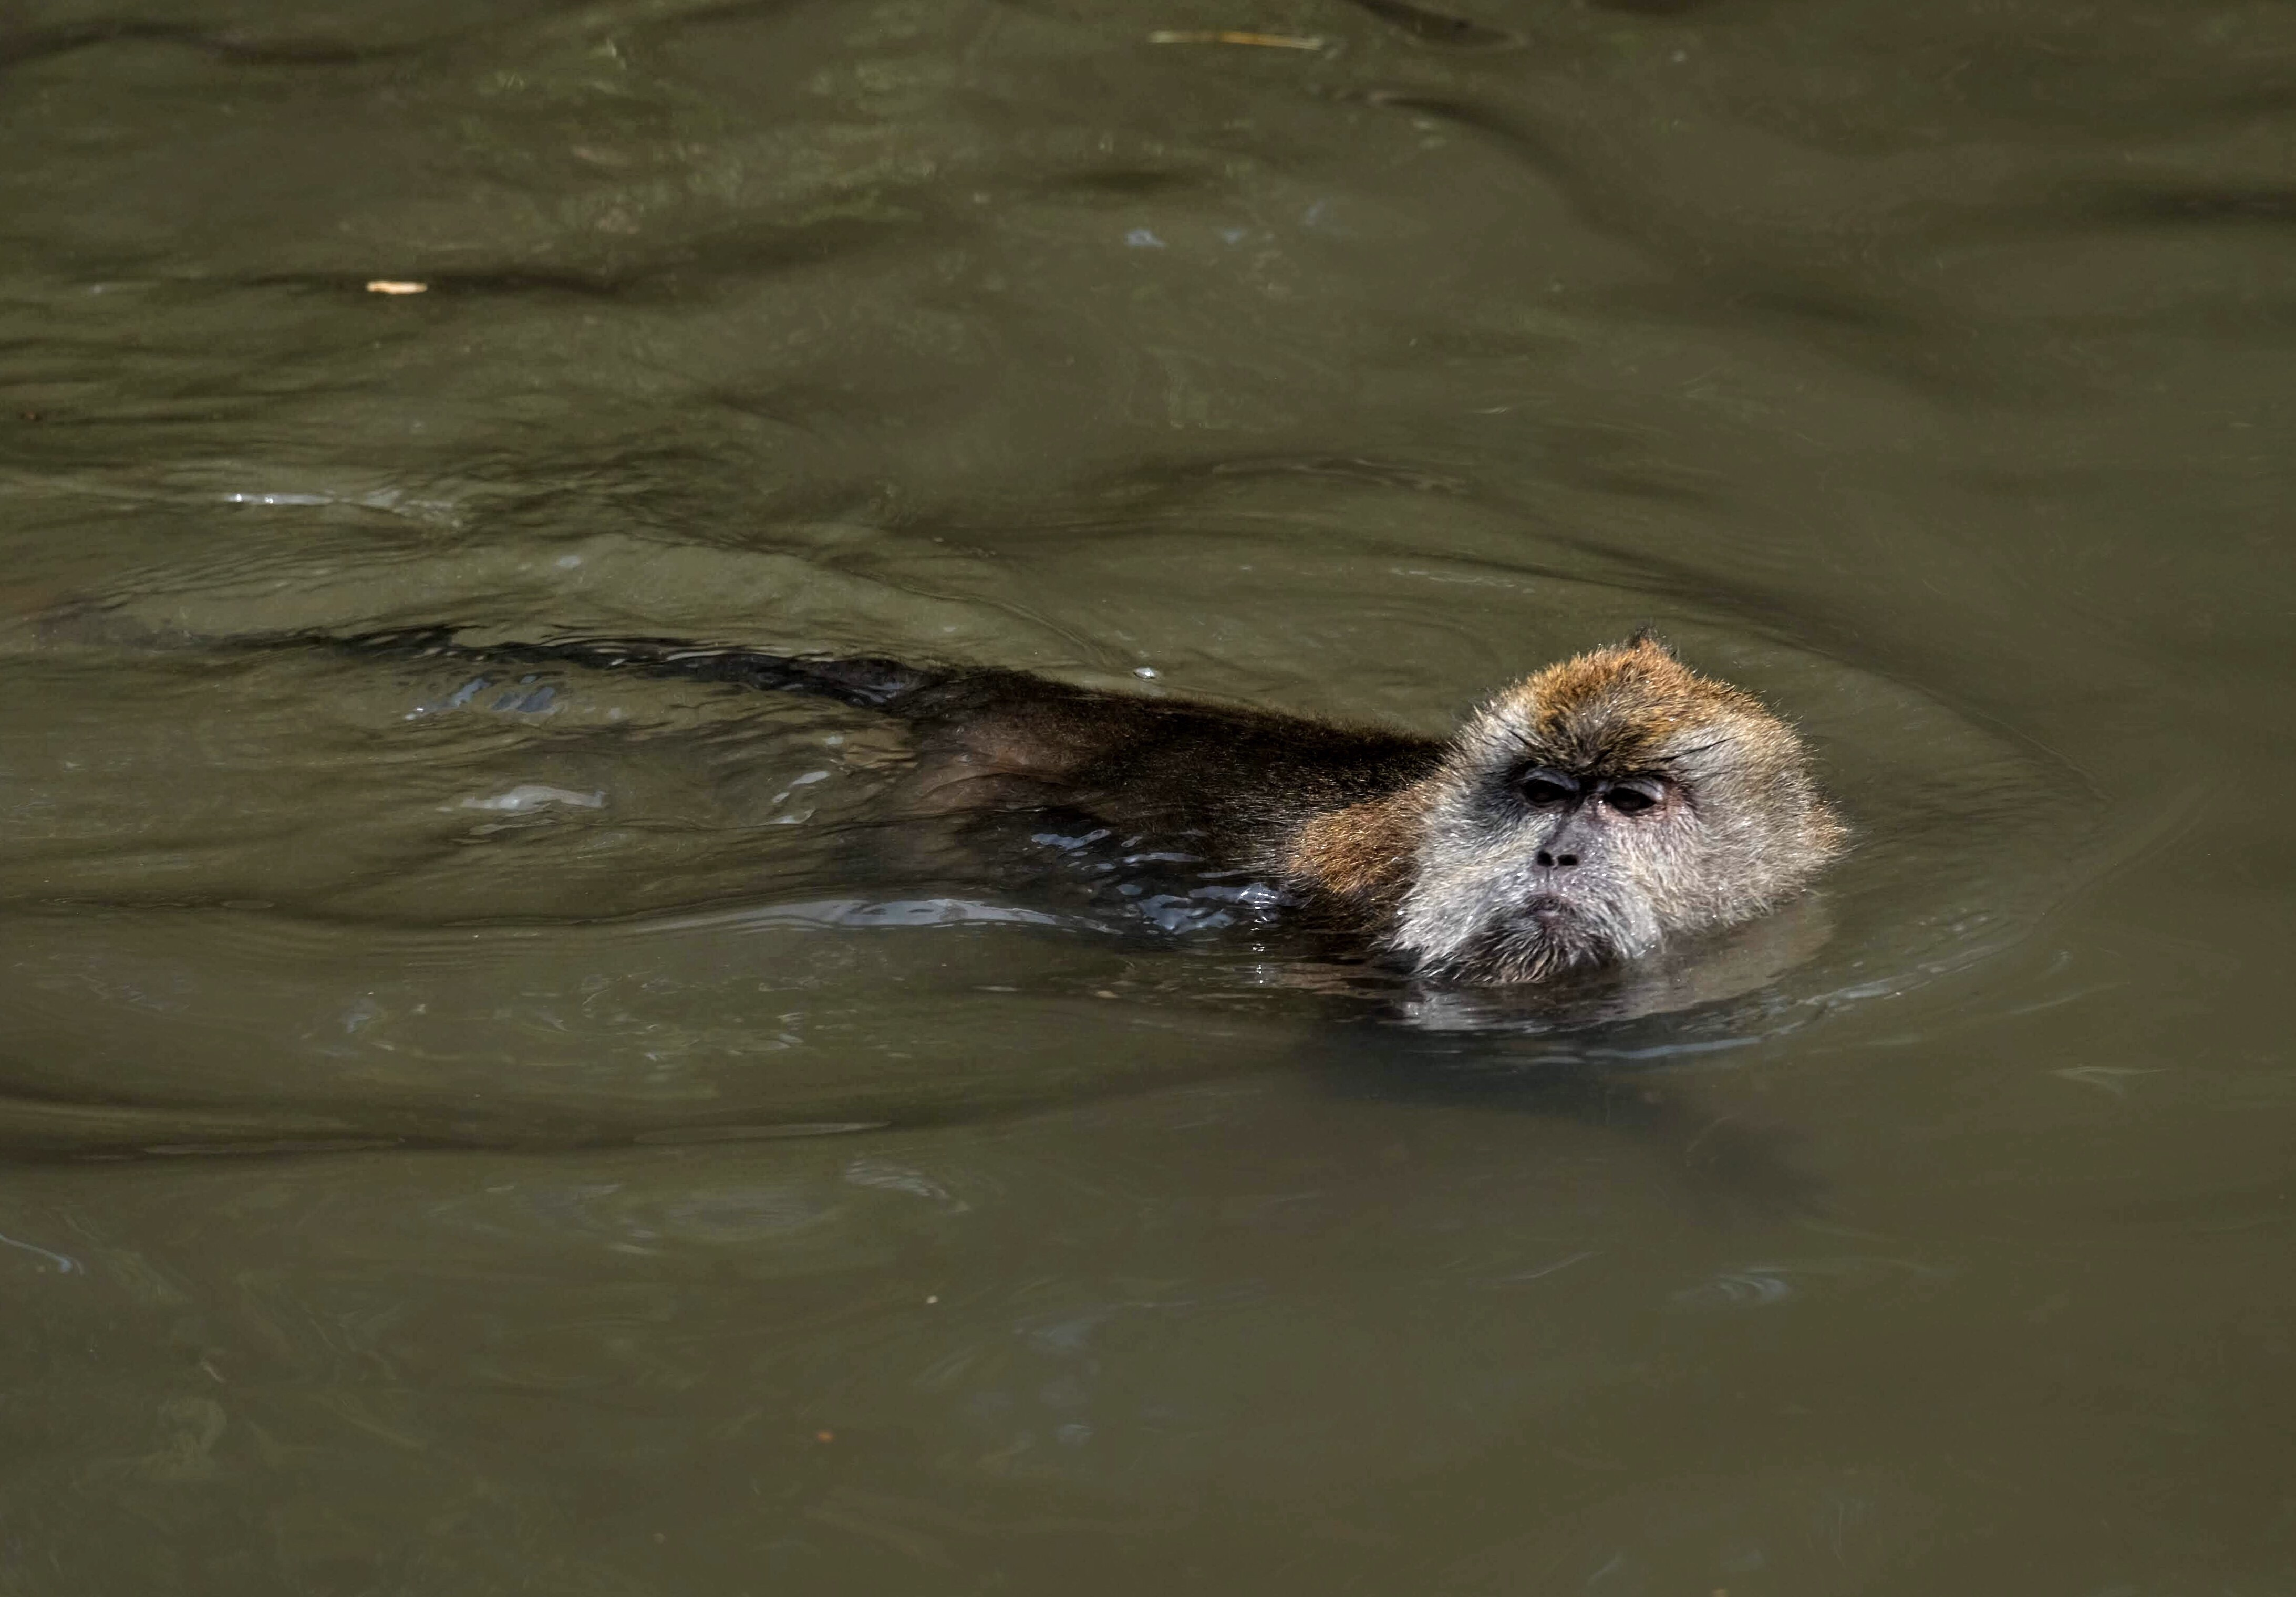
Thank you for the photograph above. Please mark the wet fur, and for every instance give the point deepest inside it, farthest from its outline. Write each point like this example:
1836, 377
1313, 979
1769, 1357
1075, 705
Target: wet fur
1419, 848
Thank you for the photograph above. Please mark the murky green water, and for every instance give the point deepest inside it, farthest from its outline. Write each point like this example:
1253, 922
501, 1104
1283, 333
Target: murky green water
472, 1140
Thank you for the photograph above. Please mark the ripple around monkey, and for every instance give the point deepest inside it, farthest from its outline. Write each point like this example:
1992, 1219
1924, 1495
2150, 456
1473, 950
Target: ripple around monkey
1579, 819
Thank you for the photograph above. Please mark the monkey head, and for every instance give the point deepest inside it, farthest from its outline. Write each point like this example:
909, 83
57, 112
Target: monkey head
1592, 811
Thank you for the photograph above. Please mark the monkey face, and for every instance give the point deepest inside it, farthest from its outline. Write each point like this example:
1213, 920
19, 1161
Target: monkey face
1593, 811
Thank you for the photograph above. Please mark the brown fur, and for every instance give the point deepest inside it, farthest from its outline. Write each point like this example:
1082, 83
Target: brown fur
1613, 708
1362, 853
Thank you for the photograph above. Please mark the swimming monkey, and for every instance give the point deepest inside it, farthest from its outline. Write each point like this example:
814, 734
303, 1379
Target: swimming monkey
1578, 820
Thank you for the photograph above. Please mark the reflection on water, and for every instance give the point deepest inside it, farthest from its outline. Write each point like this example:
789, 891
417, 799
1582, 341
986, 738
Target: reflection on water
490, 1129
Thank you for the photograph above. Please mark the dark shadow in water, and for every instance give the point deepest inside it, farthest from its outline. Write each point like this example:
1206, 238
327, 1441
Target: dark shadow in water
1733, 1164
18, 48
1658, 8
1728, 1165
1431, 26
2226, 206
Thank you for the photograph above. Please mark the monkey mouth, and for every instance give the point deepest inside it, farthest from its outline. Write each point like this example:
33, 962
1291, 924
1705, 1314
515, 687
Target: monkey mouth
1543, 936
1543, 912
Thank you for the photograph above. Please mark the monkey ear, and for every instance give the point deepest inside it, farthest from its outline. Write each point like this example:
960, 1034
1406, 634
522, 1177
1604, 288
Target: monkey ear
1647, 638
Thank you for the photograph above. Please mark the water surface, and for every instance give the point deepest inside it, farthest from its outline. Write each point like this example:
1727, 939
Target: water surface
476, 1131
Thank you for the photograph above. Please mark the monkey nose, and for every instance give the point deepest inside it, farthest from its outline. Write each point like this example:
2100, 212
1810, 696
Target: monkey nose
1556, 862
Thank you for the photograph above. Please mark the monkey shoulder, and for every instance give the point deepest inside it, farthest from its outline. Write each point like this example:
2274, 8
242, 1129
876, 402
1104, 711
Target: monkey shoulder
1245, 780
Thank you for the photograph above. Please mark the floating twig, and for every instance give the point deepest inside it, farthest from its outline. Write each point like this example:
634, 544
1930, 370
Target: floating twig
1221, 36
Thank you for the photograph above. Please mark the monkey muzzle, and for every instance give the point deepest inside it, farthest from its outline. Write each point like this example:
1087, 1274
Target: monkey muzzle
1516, 918
1534, 939
1543, 912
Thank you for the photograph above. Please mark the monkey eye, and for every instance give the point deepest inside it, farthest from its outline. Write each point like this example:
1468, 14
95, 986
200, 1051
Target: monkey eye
1632, 798
1543, 789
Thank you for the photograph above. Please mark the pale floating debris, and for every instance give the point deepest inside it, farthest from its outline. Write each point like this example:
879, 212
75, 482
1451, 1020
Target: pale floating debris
1740, 1288
1224, 35
533, 795
64, 1263
1540, 1273
2110, 1078
396, 285
389, 499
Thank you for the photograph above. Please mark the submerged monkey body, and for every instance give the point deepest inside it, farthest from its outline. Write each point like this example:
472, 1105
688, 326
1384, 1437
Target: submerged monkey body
1578, 818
